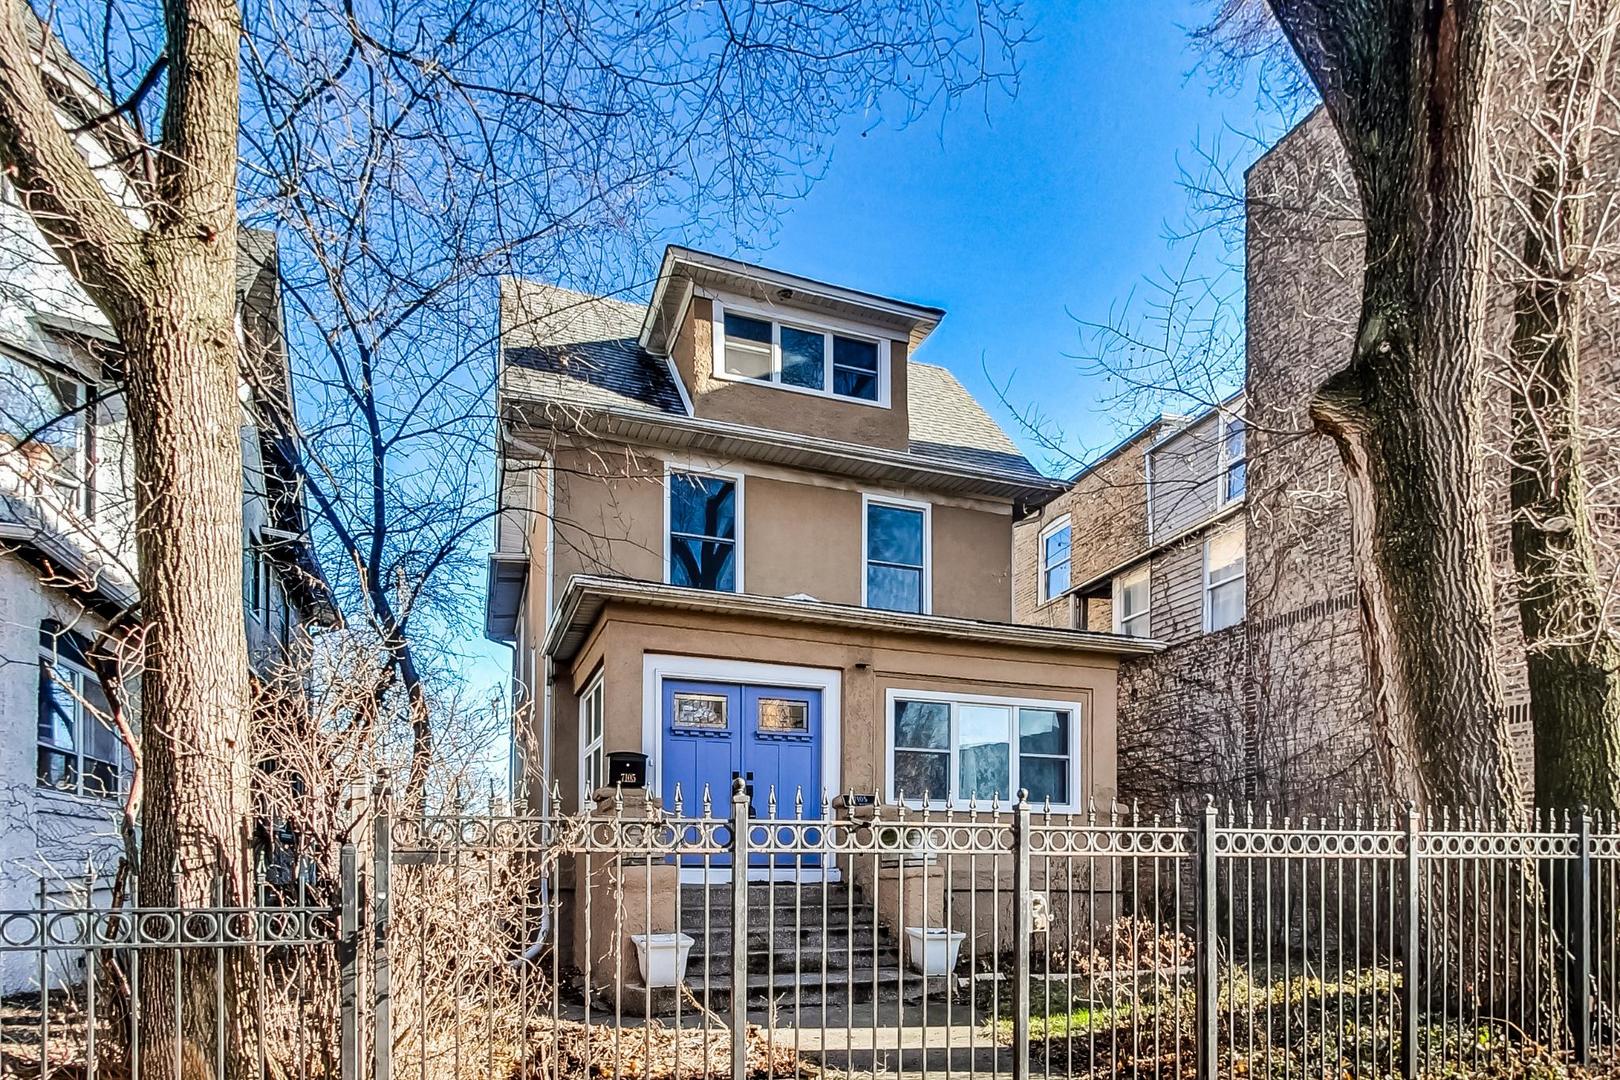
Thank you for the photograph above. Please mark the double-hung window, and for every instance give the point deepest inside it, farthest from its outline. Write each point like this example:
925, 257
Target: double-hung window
804, 358
593, 763
1223, 580
1234, 463
1133, 603
1056, 539
77, 751
896, 575
703, 549
960, 751
49, 410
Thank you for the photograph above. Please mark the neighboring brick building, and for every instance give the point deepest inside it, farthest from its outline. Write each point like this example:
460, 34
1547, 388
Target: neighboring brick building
1276, 707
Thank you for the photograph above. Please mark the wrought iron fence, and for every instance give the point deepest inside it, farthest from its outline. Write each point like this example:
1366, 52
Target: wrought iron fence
867, 939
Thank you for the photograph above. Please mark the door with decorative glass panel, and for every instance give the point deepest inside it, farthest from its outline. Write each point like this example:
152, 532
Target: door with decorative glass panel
769, 736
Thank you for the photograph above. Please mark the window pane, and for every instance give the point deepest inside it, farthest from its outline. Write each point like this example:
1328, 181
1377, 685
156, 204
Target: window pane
1133, 597
919, 774
1044, 778
41, 403
854, 384
894, 588
894, 535
1223, 555
1236, 480
100, 777
1057, 580
747, 347
986, 757
702, 564
1226, 605
1057, 547
57, 708
780, 714
56, 770
745, 329
1043, 731
702, 506
861, 355
804, 358
922, 725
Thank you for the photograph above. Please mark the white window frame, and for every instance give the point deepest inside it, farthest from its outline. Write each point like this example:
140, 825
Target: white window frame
588, 747
670, 469
1077, 743
1227, 498
868, 499
1057, 526
83, 718
826, 327
1242, 578
1123, 581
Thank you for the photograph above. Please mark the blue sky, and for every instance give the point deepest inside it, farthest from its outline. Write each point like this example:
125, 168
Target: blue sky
1021, 215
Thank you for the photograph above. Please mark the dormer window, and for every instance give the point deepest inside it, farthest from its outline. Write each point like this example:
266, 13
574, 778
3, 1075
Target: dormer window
801, 357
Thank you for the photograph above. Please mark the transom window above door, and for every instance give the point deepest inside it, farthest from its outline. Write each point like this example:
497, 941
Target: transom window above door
702, 550
801, 357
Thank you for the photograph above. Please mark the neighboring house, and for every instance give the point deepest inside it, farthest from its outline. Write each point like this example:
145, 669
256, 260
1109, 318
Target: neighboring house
746, 533
67, 558
1149, 541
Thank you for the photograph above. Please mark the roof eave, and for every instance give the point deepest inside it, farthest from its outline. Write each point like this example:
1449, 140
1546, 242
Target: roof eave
585, 596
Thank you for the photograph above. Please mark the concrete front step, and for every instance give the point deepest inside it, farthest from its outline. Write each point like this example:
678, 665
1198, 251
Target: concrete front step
863, 984
785, 940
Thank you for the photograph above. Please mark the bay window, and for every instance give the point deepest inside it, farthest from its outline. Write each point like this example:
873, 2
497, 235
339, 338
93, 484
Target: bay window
966, 750
799, 357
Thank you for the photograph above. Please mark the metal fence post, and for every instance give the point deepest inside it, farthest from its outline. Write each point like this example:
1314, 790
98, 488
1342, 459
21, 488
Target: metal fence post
1409, 982
1023, 930
1208, 1010
382, 1037
1583, 951
739, 929
349, 965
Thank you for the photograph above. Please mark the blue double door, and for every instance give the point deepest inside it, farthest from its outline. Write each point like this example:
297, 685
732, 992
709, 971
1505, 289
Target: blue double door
768, 736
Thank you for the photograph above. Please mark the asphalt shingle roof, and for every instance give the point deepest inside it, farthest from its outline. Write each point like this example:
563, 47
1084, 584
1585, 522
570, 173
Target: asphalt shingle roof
578, 350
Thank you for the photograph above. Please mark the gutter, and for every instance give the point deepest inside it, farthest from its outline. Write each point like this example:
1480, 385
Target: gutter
583, 587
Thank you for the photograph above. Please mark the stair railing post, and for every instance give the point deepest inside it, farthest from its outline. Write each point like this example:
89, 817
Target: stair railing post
382, 854
739, 929
349, 964
1208, 1006
1583, 950
1414, 914
1023, 930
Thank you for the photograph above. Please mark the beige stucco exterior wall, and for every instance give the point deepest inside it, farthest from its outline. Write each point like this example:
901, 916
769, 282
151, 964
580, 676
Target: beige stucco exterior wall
869, 663
775, 409
801, 533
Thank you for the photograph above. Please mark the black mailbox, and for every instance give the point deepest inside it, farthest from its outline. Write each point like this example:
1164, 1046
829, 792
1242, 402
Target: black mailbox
627, 769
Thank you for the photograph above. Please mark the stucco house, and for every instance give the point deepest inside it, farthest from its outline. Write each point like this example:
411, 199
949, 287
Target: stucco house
747, 532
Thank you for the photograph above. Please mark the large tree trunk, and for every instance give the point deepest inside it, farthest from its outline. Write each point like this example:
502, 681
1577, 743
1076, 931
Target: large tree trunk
1572, 661
1405, 84
167, 286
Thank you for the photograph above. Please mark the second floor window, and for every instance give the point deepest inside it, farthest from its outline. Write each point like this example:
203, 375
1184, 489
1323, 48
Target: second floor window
1223, 580
1234, 465
1055, 544
1133, 614
703, 532
45, 413
800, 358
896, 557
77, 753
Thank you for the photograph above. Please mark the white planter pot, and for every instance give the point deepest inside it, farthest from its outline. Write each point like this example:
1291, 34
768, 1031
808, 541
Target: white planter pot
933, 949
662, 957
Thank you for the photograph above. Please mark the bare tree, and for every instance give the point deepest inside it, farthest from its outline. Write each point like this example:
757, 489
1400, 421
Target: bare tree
1559, 53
